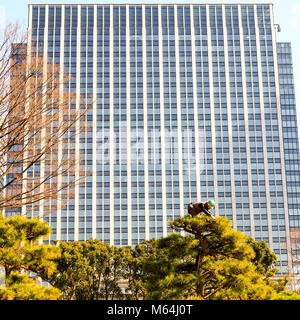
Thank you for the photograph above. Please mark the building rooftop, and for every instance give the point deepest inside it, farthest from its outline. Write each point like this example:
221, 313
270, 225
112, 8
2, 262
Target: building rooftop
150, 3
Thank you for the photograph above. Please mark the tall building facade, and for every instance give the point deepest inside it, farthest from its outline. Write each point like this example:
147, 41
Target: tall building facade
291, 142
186, 102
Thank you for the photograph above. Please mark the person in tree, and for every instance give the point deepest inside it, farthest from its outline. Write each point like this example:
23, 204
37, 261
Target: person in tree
195, 208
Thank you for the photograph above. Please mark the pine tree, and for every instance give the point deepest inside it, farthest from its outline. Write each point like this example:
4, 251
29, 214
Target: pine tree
213, 262
20, 251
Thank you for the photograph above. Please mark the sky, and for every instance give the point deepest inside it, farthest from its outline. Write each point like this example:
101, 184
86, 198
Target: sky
286, 13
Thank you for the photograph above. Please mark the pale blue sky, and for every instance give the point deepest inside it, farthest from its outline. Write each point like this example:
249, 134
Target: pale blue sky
286, 13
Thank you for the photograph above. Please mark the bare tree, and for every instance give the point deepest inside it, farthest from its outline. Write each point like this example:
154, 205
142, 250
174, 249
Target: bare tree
38, 126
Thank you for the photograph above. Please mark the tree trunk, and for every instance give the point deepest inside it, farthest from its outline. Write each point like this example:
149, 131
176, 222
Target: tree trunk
203, 251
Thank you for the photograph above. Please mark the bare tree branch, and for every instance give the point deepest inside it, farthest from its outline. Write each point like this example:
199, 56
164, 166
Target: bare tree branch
37, 124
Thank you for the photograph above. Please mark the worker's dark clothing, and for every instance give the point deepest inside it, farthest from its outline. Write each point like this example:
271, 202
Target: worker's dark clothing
195, 208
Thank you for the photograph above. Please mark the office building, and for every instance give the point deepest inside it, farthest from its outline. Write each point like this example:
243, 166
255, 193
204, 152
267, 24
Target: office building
186, 102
